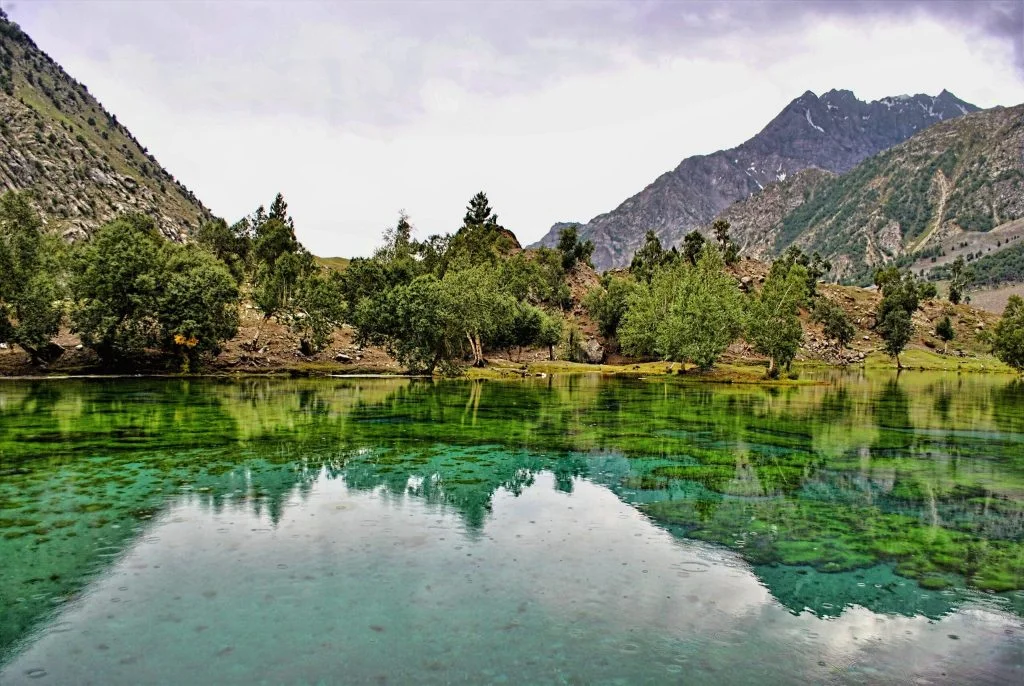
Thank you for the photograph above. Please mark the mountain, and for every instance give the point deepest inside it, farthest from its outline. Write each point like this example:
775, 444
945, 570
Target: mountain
833, 132
80, 165
946, 187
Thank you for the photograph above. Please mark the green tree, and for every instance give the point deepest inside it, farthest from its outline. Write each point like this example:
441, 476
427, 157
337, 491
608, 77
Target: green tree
550, 333
693, 244
318, 309
834, 320
229, 244
572, 249
30, 288
687, 313
523, 327
815, 265
1008, 335
730, 251
607, 303
648, 258
900, 298
475, 300
944, 330
115, 282
196, 303
960, 278
415, 324
773, 321
279, 263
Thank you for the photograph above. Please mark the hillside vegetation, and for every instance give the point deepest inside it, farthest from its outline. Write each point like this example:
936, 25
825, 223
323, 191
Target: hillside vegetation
79, 165
959, 176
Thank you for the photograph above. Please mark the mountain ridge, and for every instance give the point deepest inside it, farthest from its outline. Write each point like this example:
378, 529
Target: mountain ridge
959, 179
833, 132
79, 165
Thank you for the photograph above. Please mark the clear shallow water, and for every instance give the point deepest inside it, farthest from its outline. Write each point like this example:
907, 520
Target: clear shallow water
557, 531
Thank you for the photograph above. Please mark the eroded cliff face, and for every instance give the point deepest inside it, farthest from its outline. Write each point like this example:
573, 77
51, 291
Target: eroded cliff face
834, 133
80, 166
946, 186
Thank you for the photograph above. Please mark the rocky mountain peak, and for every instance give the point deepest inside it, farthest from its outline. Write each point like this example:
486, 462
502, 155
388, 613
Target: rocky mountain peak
833, 132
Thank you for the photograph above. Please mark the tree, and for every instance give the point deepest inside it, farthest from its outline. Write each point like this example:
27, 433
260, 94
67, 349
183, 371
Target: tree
693, 244
279, 263
815, 265
133, 290
648, 258
413, 322
900, 298
474, 300
960, 277
196, 303
926, 290
229, 244
572, 249
730, 251
835, 323
608, 303
687, 313
944, 330
481, 238
524, 327
1008, 335
319, 308
115, 281
30, 289
479, 212
773, 322
550, 333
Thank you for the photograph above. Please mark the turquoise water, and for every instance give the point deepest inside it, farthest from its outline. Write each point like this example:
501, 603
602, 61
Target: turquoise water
568, 530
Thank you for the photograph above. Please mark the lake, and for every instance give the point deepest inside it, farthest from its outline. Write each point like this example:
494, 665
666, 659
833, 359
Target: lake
566, 530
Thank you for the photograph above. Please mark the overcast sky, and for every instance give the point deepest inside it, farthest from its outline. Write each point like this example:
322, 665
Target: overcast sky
559, 111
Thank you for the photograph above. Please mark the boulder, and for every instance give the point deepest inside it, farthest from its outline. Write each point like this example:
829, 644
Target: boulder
342, 357
594, 351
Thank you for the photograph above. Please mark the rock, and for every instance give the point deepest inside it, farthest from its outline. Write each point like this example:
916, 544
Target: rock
593, 351
342, 357
867, 338
79, 347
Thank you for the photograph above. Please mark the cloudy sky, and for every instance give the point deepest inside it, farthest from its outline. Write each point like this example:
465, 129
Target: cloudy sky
558, 110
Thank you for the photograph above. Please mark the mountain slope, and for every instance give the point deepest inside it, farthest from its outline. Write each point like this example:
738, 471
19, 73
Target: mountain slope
80, 165
944, 185
834, 132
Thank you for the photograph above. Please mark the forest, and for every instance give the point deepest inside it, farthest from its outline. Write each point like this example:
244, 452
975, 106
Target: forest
436, 304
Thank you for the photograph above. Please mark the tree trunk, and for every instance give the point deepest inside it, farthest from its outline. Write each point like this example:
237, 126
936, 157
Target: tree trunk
436, 361
771, 366
478, 352
551, 353
899, 365
259, 330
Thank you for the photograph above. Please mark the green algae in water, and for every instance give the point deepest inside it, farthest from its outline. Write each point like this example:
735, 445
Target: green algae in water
867, 495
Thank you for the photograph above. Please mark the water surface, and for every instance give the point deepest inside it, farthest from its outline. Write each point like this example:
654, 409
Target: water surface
567, 530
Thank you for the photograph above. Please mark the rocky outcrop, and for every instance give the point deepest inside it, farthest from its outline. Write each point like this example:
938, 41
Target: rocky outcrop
80, 166
833, 133
932, 196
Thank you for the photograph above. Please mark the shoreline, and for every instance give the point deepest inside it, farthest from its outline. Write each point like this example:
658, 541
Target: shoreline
730, 371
